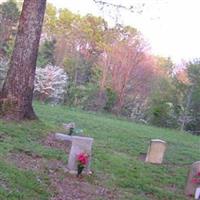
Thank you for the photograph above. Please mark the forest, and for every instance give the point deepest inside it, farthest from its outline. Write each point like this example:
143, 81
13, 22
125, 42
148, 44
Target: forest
84, 62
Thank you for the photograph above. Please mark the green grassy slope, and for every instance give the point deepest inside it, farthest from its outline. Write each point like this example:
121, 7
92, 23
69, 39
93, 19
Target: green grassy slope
115, 163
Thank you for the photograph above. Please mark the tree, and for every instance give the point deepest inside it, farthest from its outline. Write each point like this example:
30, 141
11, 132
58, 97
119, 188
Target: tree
50, 84
125, 65
192, 99
17, 93
165, 98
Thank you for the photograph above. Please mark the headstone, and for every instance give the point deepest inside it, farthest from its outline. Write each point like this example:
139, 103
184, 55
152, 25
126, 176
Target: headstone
190, 185
197, 193
79, 145
156, 151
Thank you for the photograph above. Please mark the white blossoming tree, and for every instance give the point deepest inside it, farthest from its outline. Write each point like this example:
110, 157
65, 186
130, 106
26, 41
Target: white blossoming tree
50, 84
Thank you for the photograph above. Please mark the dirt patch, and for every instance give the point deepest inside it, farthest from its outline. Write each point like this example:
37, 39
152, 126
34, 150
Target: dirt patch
26, 160
51, 141
30, 161
69, 187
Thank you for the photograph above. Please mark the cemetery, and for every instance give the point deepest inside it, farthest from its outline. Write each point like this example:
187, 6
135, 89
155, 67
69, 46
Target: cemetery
89, 110
43, 159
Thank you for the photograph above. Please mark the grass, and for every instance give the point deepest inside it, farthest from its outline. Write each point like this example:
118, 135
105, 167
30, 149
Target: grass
115, 163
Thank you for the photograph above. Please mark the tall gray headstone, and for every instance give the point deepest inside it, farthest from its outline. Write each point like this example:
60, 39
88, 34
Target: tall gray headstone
190, 186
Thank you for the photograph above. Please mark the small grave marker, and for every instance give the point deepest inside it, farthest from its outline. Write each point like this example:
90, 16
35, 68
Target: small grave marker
156, 151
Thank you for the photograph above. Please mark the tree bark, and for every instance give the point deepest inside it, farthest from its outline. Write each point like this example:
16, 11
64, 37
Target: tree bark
17, 93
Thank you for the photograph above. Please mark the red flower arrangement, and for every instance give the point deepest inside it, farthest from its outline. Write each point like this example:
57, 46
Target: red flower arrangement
196, 179
82, 160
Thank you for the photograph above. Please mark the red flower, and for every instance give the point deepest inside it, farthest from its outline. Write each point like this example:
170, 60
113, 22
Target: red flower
194, 180
82, 158
198, 174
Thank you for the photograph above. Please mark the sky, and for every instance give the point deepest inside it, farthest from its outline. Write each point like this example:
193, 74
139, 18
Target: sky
170, 26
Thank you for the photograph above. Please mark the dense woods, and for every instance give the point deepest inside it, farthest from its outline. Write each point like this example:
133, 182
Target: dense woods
107, 69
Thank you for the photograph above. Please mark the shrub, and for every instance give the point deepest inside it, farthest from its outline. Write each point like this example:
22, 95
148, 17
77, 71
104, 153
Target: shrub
163, 115
50, 84
46, 53
111, 99
81, 95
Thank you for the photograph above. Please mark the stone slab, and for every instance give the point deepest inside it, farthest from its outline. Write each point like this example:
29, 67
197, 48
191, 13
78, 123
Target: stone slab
156, 151
63, 137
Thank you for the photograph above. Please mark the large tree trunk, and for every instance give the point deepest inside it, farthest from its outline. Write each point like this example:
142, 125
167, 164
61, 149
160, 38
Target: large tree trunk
17, 93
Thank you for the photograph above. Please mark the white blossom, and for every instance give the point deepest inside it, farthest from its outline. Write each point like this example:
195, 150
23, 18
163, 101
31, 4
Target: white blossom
50, 84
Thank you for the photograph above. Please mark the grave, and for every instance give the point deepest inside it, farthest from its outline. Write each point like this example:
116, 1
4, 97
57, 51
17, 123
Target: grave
190, 185
79, 145
156, 151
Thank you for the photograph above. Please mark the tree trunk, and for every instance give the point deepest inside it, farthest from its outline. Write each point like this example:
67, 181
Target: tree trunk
17, 93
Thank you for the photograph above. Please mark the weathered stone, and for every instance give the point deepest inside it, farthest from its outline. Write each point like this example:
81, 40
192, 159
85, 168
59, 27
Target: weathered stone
156, 151
190, 186
79, 145
63, 137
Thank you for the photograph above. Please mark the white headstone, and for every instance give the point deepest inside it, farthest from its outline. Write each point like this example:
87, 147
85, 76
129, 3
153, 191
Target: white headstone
79, 145
156, 151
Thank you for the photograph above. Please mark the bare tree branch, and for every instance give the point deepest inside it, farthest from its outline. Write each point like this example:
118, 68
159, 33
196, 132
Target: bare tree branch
130, 8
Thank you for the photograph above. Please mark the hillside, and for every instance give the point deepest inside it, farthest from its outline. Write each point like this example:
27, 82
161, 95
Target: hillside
31, 164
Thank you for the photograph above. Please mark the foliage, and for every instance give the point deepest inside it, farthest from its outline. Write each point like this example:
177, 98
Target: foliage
111, 99
80, 95
46, 54
162, 108
79, 69
193, 70
9, 14
50, 84
9, 11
